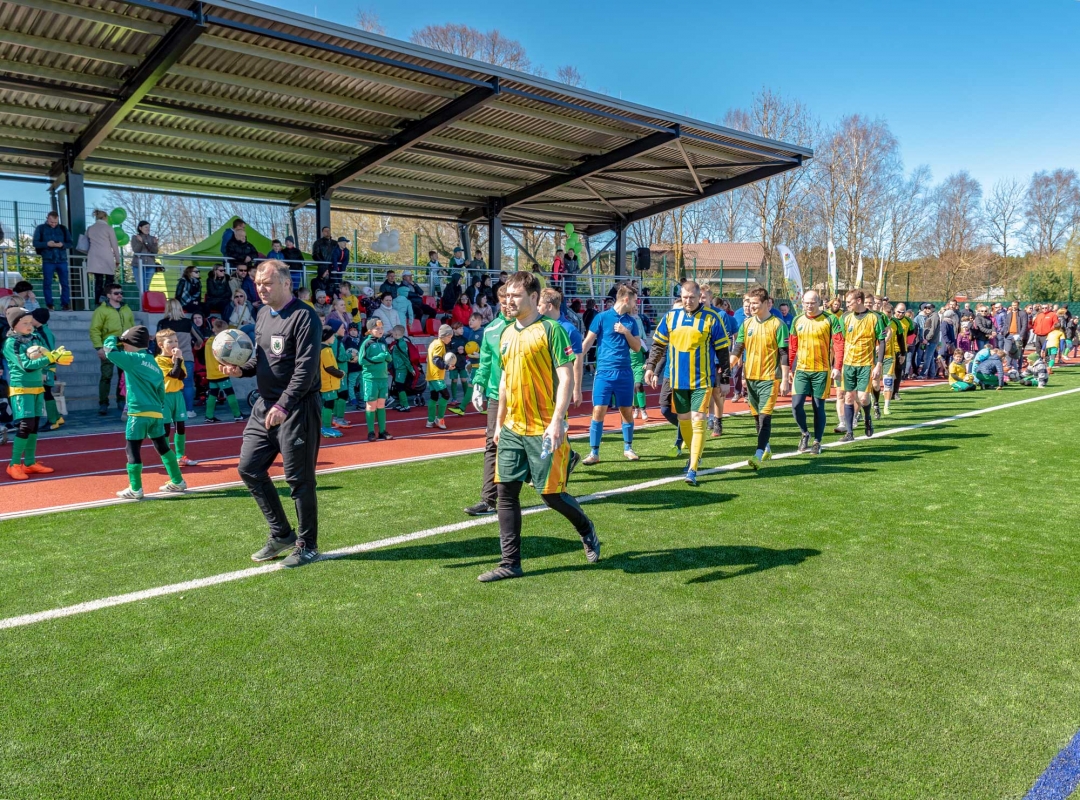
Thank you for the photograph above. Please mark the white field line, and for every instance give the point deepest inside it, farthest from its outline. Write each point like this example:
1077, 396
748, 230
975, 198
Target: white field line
227, 577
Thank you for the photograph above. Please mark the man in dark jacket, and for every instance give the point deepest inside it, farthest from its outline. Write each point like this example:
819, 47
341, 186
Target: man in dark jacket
239, 250
982, 327
218, 290
323, 249
52, 242
929, 334
291, 254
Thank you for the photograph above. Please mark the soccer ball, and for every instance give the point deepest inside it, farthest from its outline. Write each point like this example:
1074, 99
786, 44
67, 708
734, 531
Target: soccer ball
451, 360
36, 351
353, 355
471, 348
233, 347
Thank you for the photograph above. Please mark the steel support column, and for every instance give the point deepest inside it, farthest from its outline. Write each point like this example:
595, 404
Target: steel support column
321, 196
620, 249
495, 235
463, 235
75, 195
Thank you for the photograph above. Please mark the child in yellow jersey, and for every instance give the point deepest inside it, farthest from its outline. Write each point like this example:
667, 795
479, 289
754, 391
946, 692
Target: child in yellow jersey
763, 337
1053, 346
171, 363
220, 384
352, 305
439, 360
959, 377
331, 377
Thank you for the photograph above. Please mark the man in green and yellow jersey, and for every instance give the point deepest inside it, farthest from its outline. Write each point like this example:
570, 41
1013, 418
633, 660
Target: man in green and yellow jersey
810, 349
906, 328
534, 395
697, 348
895, 352
764, 339
864, 349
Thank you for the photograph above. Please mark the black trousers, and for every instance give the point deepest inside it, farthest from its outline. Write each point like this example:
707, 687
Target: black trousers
297, 440
509, 512
489, 494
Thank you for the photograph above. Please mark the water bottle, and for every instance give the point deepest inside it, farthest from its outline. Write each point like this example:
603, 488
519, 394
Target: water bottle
546, 448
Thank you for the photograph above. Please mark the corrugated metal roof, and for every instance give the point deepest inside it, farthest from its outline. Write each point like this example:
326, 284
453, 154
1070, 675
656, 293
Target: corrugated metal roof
261, 102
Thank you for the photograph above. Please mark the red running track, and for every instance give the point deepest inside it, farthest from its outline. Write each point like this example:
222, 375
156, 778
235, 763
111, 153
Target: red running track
91, 467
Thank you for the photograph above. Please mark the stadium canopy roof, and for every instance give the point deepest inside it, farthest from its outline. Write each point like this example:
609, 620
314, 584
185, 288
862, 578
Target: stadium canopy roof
237, 98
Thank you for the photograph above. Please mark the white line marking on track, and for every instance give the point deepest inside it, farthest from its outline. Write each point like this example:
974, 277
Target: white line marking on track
227, 577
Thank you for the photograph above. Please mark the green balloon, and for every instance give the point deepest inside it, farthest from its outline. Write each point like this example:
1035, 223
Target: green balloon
121, 236
117, 216
569, 229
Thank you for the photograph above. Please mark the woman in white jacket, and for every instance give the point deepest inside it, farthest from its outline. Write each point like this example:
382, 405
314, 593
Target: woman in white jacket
103, 256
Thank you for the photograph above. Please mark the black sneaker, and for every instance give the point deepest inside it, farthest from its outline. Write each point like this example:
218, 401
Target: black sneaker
575, 459
103, 411
869, 427
815, 449
591, 543
804, 443
299, 556
384, 436
847, 437
481, 509
877, 412
500, 573
274, 548
371, 437
211, 419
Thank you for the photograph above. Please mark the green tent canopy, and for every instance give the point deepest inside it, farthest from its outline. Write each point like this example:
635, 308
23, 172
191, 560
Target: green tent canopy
209, 249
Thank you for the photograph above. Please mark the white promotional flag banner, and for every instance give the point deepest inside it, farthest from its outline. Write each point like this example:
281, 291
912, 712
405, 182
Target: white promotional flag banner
791, 270
858, 275
833, 285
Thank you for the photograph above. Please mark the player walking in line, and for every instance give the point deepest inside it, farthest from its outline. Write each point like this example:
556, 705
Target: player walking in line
689, 337
763, 337
286, 417
534, 396
615, 332
895, 353
810, 353
486, 381
864, 350
146, 409
26, 381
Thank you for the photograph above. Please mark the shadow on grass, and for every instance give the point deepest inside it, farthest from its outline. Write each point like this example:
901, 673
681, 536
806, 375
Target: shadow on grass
739, 560
479, 550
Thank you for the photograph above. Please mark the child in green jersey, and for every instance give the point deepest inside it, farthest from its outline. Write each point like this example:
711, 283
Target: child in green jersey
375, 359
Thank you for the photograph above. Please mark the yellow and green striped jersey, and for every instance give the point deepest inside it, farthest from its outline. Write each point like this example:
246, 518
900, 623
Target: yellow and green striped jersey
814, 335
692, 340
762, 342
530, 357
893, 332
862, 332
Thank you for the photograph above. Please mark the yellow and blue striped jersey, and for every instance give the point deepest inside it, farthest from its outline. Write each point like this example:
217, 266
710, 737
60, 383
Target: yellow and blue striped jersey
862, 332
762, 342
530, 357
692, 340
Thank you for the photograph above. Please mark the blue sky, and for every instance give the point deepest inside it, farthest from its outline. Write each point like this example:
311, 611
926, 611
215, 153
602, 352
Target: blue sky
987, 86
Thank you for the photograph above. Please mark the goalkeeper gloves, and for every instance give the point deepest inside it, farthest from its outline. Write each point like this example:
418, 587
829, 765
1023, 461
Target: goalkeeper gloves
478, 398
62, 356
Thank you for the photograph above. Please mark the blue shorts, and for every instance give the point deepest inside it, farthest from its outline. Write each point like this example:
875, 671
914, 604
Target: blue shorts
619, 383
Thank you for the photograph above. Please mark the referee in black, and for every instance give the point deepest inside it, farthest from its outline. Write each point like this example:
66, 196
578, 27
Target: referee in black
287, 417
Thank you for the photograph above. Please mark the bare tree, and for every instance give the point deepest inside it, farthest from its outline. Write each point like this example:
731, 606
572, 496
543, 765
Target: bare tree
1005, 213
463, 40
773, 201
953, 239
569, 75
368, 20
1052, 209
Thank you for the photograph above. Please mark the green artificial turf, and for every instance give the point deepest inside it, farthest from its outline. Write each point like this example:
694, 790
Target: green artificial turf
894, 618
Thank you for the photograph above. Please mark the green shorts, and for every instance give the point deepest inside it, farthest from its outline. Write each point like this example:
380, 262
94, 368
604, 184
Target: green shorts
519, 460
329, 397
436, 386
986, 380
401, 376
175, 407
1051, 351
27, 406
139, 428
887, 365
458, 374
639, 375
686, 401
761, 396
376, 389
812, 384
856, 379
224, 383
